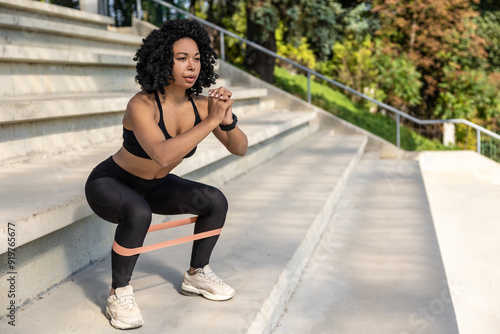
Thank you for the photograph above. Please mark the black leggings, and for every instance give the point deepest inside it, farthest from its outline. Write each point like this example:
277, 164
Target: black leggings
129, 201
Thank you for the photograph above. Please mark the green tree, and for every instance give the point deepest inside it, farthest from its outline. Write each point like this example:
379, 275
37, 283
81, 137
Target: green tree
399, 79
317, 21
352, 63
362, 65
467, 94
301, 54
123, 10
489, 29
357, 21
434, 34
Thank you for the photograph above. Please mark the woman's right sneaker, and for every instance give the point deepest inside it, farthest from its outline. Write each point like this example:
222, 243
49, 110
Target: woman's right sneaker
122, 310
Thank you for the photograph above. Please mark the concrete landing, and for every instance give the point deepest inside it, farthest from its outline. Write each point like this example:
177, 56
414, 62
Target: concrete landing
378, 267
271, 211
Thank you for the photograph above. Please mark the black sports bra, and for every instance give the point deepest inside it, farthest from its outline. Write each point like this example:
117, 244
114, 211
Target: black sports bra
132, 145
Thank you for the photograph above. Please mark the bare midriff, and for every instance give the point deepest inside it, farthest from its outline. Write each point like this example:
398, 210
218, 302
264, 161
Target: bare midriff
143, 168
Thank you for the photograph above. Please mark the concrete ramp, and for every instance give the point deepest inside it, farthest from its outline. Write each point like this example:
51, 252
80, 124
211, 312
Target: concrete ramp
378, 267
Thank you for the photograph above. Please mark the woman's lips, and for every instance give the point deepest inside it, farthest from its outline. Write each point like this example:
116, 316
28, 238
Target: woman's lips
190, 79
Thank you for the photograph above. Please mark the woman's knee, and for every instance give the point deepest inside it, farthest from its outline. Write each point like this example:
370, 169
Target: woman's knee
217, 201
210, 200
137, 216
135, 220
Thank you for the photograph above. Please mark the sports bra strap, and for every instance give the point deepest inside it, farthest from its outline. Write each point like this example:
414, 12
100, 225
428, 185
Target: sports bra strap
159, 107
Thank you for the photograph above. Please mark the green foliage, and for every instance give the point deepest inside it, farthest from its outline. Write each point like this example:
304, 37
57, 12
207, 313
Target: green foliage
320, 24
338, 104
301, 54
399, 78
352, 64
434, 34
489, 29
317, 21
362, 65
237, 23
467, 94
265, 15
122, 11
357, 22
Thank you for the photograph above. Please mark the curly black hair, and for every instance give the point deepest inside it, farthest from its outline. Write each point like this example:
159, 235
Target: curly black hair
155, 57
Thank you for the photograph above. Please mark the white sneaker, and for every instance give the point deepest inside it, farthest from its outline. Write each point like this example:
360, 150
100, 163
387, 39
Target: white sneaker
204, 282
122, 310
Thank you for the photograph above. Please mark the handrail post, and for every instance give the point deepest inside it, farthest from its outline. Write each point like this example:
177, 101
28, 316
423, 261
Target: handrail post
478, 141
222, 46
139, 9
398, 132
308, 87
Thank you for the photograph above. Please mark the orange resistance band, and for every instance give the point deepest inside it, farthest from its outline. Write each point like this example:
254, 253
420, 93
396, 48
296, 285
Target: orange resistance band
157, 227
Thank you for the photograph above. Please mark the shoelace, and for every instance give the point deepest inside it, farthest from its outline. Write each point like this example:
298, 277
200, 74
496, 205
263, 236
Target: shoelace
212, 277
126, 302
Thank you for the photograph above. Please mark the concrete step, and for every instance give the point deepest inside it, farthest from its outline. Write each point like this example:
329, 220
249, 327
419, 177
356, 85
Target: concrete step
41, 79
30, 108
378, 267
59, 13
25, 27
33, 54
45, 125
49, 49
277, 213
35, 108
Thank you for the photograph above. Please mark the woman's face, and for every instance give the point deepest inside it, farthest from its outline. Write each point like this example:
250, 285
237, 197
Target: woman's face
187, 64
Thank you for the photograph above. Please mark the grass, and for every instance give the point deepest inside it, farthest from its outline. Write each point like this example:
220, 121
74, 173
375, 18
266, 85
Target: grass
340, 105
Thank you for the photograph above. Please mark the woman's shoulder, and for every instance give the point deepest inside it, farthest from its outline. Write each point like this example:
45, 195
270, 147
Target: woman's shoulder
139, 106
139, 100
142, 103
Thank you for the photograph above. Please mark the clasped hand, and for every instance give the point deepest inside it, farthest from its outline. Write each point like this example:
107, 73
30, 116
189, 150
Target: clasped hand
220, 105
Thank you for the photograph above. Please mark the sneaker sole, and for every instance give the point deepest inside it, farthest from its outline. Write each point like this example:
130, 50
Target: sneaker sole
117, 324
192, 291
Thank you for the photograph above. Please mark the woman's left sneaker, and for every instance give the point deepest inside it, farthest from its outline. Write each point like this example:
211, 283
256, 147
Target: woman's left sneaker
204, 282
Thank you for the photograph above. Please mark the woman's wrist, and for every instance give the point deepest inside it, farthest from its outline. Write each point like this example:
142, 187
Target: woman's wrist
212, 120
229, 127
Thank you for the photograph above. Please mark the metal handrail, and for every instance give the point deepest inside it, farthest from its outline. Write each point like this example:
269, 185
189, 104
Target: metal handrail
479, 129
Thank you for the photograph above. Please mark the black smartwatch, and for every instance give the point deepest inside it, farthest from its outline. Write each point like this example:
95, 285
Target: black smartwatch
231, 126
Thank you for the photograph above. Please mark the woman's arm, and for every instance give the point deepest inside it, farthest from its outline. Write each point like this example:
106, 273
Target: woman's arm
234, 140
140, 117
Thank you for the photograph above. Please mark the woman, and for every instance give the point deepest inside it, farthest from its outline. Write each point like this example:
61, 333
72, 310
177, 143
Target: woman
162, 125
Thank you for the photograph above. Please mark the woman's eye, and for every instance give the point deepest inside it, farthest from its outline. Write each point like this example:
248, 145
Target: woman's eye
197, 59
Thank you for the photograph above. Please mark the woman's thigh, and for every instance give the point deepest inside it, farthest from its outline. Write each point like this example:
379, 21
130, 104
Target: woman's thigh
115, 201
180, 196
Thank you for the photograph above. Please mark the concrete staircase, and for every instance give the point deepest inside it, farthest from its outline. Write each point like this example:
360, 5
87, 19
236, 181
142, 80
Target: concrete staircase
66, 80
